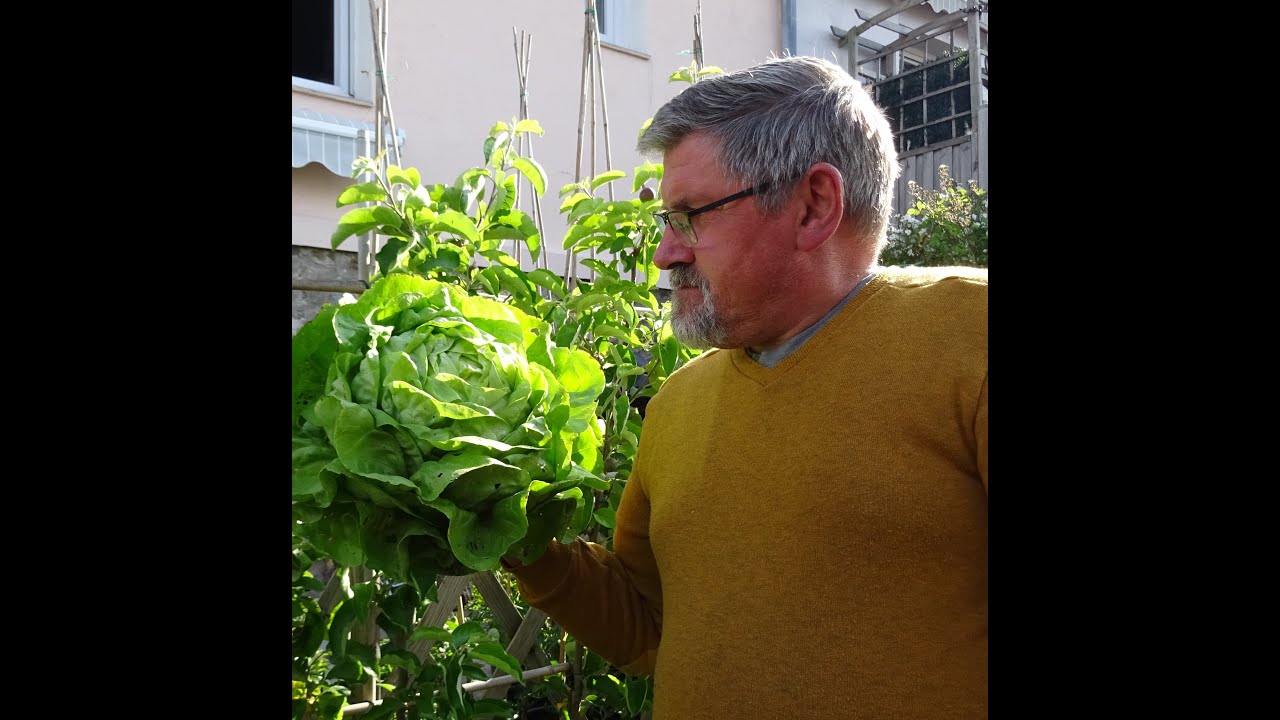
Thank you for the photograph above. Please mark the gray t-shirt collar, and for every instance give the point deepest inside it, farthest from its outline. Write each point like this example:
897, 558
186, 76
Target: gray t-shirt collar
773, 356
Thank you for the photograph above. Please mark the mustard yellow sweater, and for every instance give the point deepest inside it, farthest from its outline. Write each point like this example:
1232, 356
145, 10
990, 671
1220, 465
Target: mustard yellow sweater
807, 540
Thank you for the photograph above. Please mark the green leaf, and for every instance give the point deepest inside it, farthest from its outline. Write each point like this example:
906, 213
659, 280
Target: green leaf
646, 172
467, 633
493, 654
549, 280
361, 192
601, 267
394, 254
637, 694
570, 202
479, 539
329, 705
352, 610
579, 233
405, 176
588, 207
435, 634
571, 187
433, 477
401, 658
644, 127
456, 223
528, 125
474, 671
533, 171
605, 516
711, 70
606, 330
491, 708
584, 303
496, 141
362, 220
606, 177
580, 375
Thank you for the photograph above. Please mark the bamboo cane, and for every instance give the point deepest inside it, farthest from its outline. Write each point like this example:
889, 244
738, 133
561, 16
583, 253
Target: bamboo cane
570, 260
379, 56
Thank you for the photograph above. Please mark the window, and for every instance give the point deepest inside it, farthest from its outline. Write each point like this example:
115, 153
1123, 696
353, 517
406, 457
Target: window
624, 23
928, 103
333, 47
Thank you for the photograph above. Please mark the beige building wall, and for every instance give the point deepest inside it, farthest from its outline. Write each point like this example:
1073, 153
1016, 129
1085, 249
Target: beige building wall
452, 75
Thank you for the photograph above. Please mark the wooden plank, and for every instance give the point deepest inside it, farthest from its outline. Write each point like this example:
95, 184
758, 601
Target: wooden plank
448, 589
522, 646
886, 24
908, 154
527, 633
981, 150
882, 15
504, 611
924, 33
366, 633
975, 93
495, 596
332, 592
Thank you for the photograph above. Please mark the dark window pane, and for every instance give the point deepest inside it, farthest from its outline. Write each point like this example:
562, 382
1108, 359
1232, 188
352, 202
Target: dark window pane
963, 124
913, 140
938, 133
313, 40
960, 99
895, 117
938, 106
938, 76
913, 114
913, 85
960, 68
889, 93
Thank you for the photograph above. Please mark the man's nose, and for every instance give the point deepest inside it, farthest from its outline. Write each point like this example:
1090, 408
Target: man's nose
671, 250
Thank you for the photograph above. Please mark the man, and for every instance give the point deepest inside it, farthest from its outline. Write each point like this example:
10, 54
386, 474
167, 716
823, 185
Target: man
804, 533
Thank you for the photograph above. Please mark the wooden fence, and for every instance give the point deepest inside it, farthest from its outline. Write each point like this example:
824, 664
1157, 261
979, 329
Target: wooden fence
959, 157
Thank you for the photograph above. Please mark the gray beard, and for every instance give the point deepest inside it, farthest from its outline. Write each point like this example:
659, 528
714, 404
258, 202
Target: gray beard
698, 327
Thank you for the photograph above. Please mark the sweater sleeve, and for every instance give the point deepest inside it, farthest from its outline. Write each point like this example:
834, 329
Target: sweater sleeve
609, 601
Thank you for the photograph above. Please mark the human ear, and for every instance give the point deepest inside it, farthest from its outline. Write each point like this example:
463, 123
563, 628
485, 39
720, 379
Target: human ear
822, 195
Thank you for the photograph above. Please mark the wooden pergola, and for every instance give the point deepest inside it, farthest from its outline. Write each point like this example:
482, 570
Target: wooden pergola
965, 16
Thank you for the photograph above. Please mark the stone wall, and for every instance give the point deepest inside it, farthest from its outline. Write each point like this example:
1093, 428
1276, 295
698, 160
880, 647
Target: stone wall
320, 266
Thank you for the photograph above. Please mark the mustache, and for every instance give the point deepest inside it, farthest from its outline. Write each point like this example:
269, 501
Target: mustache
685, 276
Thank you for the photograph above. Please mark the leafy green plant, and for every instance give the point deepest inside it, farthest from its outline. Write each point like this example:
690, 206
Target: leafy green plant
435, 689
441, 231
945, 227
436, 431
460, 409
316, 694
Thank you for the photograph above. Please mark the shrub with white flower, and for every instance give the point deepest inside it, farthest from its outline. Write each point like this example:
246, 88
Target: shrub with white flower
945, 227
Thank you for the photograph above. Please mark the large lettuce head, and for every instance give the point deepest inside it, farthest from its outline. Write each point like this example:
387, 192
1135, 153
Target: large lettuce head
435, 431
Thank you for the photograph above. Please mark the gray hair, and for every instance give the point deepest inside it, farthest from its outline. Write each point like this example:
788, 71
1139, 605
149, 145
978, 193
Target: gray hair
775, 120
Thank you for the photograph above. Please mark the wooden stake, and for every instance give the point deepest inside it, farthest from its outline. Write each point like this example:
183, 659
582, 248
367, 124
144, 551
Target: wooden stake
571, 258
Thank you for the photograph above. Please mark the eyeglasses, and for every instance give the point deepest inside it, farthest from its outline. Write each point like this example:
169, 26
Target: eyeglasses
681, 219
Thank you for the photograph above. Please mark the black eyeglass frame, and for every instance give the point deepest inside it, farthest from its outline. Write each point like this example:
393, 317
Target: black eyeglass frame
689, 235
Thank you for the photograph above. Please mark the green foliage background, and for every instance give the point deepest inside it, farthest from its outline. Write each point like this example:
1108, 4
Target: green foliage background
947, 226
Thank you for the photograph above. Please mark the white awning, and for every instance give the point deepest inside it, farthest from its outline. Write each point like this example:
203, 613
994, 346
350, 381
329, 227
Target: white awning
952, 5
332, 141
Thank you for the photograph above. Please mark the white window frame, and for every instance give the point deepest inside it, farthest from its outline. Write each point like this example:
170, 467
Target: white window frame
624, 24
352, 54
